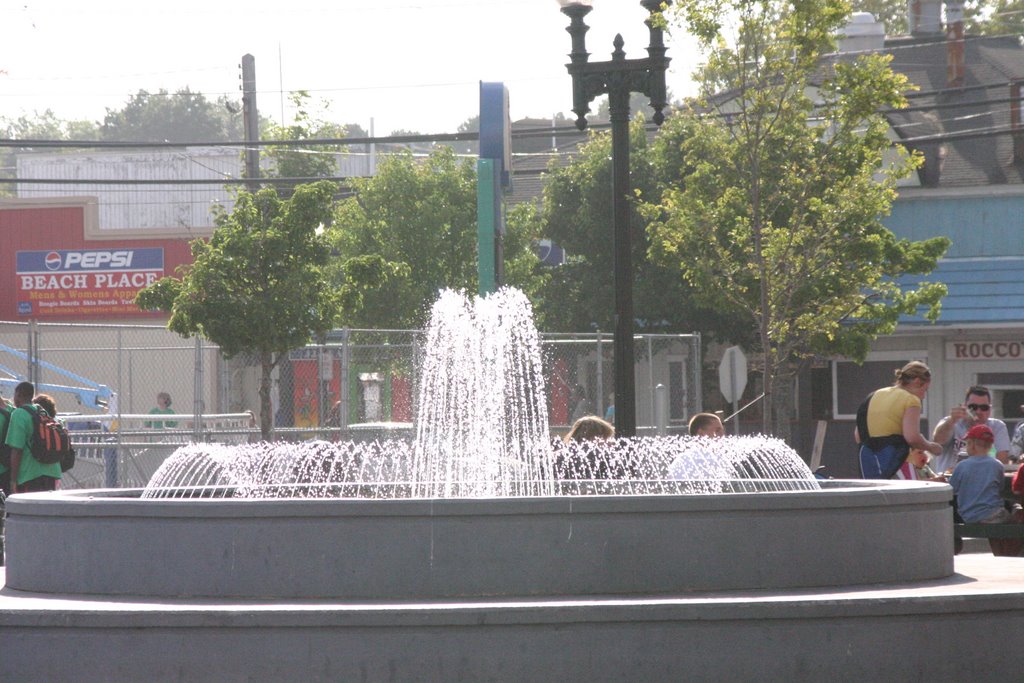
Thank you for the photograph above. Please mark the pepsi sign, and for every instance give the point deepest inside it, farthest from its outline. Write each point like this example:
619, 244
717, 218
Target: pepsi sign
85, 282
89, 260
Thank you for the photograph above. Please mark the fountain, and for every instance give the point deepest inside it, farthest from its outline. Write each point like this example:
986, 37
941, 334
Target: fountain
483, 551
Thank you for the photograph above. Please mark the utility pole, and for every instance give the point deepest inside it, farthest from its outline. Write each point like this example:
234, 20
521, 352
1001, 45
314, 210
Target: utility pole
251, 120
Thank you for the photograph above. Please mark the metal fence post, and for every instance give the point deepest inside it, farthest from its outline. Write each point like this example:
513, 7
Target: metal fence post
698, 373
111, 455
661, 409
600, 377
197, 391
650, 378
32, 371
343, 381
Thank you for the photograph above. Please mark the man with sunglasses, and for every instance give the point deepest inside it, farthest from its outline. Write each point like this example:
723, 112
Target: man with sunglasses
951, 431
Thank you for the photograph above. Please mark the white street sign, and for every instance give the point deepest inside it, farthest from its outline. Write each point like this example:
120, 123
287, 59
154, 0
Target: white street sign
732, 374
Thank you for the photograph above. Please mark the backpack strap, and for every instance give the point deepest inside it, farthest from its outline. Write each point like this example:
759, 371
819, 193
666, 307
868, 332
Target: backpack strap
862, 419
874, 442
34, 413
5, 450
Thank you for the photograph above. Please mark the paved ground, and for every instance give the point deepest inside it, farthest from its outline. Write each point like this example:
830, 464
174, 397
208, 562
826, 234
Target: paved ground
835, 634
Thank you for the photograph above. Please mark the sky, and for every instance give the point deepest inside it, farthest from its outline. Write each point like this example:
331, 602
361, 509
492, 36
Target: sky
404, 64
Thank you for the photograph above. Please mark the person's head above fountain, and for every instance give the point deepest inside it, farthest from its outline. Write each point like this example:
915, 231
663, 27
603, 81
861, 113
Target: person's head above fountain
590, 428
706, 424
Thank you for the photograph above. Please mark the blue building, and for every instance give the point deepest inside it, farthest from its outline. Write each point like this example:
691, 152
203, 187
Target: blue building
966, 121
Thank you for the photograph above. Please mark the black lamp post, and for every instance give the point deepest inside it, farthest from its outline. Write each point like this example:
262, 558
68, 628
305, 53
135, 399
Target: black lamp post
618, 78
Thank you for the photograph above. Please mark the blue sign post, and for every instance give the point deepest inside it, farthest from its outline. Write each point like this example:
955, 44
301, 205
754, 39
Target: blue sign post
493, 173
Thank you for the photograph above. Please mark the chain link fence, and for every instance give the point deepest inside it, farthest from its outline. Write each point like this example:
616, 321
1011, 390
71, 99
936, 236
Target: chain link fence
355, 385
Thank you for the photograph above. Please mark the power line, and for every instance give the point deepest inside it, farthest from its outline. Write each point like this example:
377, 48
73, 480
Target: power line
469, 136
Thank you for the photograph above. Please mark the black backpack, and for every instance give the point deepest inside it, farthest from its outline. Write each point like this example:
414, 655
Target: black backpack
50, 443
875, 442
5, 450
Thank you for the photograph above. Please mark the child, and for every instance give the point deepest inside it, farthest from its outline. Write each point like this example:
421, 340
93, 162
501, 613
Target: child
978, 483
916, 468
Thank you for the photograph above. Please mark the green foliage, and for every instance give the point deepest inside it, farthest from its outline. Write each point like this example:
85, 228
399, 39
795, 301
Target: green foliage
981, 17
779, 220
522, 267
401, 147
419, 217
310, 123
577, 215
183, 116
46, 126
639, 104
354, 130
38, 126
260, 284
470, 125
994, 17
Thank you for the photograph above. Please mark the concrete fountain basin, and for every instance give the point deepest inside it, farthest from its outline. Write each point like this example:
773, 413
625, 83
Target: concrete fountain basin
114, 543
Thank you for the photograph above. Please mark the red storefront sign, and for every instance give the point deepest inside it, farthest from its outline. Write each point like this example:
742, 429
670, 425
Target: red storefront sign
51, 270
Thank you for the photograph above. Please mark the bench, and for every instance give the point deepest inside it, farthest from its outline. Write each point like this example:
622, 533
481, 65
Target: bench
963, 530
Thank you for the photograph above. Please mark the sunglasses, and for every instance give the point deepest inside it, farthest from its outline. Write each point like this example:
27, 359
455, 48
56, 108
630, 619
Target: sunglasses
979, 406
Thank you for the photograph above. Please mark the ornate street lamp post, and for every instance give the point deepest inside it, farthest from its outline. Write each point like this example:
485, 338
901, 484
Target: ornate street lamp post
618, 78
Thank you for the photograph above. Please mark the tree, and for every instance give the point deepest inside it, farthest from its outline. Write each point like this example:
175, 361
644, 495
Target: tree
260, 284
419, 216
981, 17
994, 17
577, 215
46, 126
37, 126
183, 116
354, 130
288, 161
470, 125
788, 174
639, 104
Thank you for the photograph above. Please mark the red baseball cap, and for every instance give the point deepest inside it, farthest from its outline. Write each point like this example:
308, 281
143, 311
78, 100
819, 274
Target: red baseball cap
981, 432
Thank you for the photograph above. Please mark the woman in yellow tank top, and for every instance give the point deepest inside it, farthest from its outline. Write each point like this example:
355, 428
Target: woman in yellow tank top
889, 423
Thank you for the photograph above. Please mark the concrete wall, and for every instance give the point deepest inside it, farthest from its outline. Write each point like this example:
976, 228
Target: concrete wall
91, 543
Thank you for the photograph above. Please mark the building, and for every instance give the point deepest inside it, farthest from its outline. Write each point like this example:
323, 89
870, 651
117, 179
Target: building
966, 121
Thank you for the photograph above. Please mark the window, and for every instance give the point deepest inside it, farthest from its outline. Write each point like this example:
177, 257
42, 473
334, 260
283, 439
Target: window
1007, 394
851, 383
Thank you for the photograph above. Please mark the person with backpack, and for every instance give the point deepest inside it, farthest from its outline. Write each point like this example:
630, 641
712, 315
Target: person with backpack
27, 473
5, 451
889, 423
46, 402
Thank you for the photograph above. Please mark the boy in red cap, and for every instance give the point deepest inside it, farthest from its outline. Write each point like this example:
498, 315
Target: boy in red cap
978, 484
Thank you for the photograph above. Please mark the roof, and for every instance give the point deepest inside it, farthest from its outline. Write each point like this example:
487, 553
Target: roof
533, 152
980, 105
985, 290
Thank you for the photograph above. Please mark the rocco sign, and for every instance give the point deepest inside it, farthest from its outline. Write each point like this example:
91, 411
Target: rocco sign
85, 282
984, 350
